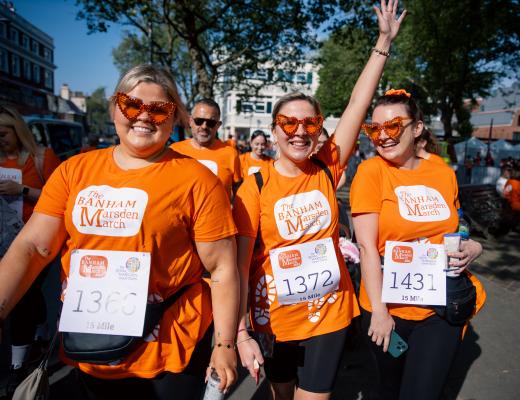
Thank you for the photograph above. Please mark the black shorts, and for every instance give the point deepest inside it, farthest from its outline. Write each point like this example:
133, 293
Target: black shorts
312, 362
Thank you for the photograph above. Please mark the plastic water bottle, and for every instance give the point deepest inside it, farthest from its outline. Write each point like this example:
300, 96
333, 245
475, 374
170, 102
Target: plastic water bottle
212, 392
463, 225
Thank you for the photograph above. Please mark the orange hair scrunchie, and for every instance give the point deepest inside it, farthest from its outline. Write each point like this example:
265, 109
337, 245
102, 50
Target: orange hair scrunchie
397, 92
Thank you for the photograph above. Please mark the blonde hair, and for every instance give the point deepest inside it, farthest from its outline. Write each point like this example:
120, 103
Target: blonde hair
27, 146
160, 76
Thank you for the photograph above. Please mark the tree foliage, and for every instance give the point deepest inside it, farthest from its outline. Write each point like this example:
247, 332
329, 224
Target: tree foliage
221, 38
97, 111
447, 51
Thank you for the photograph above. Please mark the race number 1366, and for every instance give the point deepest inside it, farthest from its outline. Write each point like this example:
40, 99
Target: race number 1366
95, 301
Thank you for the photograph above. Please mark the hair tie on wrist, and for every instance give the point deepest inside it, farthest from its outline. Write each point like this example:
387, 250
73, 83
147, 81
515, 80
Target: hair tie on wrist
382, 52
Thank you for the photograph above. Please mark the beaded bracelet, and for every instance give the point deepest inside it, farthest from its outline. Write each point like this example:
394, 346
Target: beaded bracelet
227, 346
382, 52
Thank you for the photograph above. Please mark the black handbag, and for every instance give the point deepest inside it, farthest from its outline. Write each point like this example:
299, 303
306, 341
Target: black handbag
96, 348
461, 300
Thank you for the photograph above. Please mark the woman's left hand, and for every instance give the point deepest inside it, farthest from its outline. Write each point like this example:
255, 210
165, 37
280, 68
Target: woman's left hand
224, 362
469, 251
386, 18
10, 188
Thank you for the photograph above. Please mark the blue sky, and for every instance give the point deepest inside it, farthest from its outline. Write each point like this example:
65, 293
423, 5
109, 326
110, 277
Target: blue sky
83, 61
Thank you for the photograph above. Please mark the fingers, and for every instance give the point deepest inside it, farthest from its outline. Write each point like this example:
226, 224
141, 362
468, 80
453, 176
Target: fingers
386, 342
401, 17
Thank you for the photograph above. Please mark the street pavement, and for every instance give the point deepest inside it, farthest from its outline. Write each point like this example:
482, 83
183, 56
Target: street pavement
487, 365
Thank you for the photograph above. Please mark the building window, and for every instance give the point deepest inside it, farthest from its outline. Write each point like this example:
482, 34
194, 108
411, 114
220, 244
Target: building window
25, 42
258, 107
4, 61
48, 81
3, 30
14, 35
47, 54
301, 77
36, 73
26, 69
35, 47
15, 65
516, 136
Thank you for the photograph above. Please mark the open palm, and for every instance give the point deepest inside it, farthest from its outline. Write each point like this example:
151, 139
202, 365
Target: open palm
386, 18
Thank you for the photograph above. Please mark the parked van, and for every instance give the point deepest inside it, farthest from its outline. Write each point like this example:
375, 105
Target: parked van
64, 137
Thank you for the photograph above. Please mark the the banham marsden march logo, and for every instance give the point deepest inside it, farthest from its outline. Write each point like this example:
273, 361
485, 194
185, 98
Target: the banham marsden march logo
108, 211
421, 204
301, 214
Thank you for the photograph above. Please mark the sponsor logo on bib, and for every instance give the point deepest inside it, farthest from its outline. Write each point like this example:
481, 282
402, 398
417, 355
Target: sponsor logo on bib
301, 214
421, 204
402, 254
290, 259
93, 266
108, 211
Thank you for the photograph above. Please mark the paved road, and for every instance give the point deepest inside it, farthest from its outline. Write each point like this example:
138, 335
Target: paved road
488, 363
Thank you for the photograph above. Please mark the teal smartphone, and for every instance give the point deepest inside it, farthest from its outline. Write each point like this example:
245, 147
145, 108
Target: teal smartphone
397, 345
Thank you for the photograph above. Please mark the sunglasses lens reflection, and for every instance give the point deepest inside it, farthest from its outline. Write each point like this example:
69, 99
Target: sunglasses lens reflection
210, 123
393, 129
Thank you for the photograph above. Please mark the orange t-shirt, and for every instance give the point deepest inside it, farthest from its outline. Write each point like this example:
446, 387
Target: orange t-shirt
221, 158
436, 159
250, 165
413, 205
160, 209
512, 193
291, 211
30, 176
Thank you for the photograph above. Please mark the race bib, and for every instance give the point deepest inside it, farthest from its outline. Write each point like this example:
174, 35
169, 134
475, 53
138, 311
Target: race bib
106, 292
306, 271
14, 202
414, 273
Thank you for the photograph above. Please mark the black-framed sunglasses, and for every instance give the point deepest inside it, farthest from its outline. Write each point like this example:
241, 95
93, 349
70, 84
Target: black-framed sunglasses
210, 123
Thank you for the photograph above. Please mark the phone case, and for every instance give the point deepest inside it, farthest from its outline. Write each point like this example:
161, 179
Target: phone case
397, 345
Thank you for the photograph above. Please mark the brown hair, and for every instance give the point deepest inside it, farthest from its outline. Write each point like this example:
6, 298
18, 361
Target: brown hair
412, 108
294, 97
160, 76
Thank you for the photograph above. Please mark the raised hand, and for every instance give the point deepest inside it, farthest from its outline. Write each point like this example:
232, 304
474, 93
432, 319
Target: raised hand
387, 19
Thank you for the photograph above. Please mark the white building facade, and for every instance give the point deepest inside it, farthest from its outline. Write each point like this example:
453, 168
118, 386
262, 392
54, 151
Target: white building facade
241, 117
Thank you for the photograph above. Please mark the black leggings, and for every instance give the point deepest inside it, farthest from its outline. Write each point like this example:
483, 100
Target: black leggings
186, 385
421, 372
28, 313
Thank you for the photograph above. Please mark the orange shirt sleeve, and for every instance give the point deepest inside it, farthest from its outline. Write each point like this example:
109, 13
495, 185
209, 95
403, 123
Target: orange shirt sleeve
212, 219
55, 193
246, 208
366, 190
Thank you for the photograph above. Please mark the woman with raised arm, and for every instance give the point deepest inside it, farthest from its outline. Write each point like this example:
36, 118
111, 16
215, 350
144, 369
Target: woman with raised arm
136, 230
294, 278
399, 196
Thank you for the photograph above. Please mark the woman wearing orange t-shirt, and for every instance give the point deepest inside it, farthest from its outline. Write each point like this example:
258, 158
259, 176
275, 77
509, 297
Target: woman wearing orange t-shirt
131, 213
24, 168
398, 196
294, 277
252, 161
